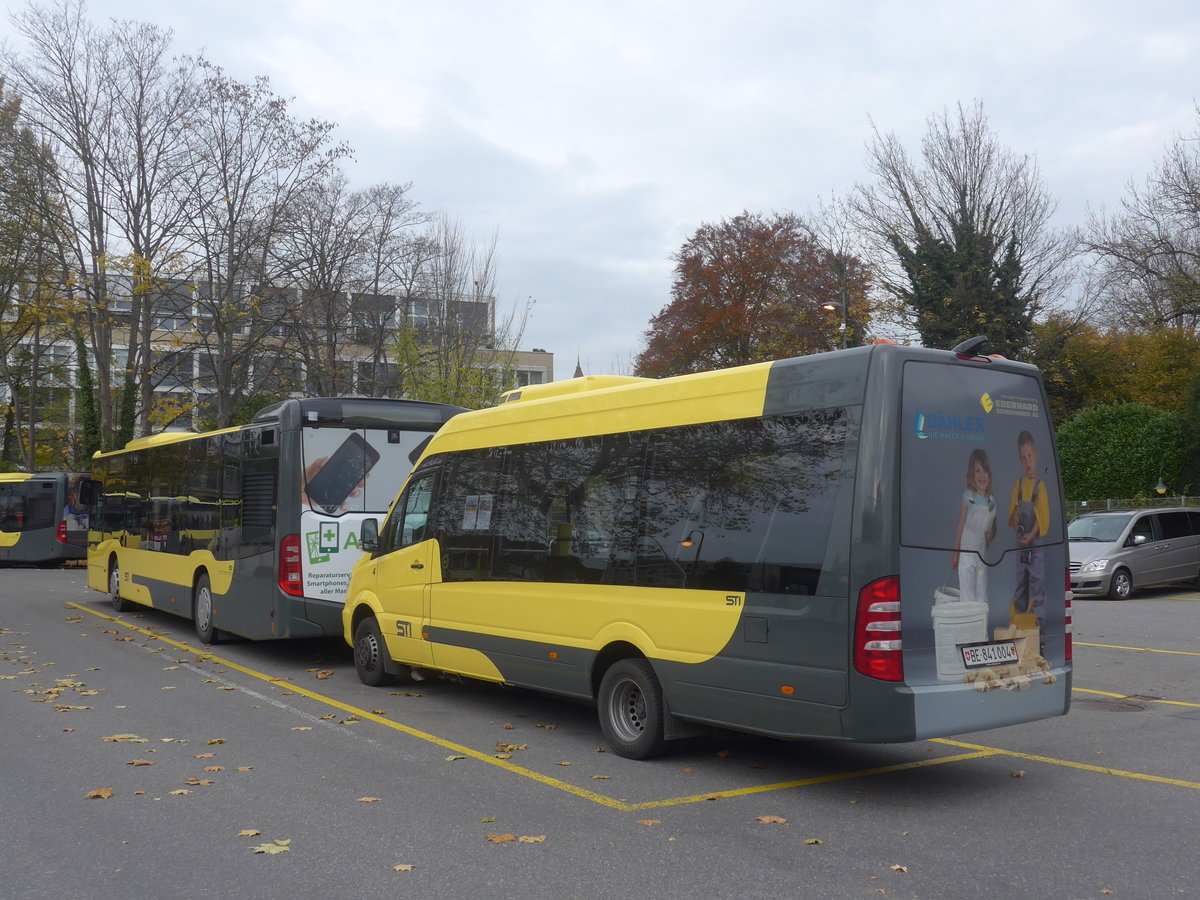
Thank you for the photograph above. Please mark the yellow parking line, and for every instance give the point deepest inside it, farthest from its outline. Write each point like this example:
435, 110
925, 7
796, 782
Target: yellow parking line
1138, 649
976, 751
1137, 697
819, 779
1049, 760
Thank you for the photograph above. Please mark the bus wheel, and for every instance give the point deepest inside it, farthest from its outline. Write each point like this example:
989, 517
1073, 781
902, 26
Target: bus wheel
202, 611
630, 707
120, 604
369, 653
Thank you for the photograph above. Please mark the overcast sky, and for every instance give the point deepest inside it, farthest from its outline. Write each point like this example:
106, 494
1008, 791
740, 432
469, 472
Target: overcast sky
593, 137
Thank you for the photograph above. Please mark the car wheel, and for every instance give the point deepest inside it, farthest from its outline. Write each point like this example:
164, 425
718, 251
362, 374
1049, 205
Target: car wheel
630, 708
370, 651
202, 611
1121, 586
119, 603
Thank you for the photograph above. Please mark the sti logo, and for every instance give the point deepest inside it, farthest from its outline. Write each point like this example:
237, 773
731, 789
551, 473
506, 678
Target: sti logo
947, 427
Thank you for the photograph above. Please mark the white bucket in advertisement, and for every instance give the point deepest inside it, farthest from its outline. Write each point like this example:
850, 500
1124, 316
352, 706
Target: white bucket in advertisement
955, 622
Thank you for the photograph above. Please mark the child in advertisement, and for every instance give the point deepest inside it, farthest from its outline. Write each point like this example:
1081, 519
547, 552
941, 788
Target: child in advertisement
976, 528
1029, 515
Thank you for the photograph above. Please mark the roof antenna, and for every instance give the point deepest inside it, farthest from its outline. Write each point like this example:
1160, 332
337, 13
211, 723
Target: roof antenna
972, 346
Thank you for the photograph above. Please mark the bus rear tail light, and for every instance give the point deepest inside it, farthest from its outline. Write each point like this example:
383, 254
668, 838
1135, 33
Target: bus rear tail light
877, 645
1070, 627
62, 531
291, 579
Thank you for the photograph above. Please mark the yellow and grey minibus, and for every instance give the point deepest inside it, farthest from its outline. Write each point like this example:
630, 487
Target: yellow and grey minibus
252, 530
42, 522
862, 545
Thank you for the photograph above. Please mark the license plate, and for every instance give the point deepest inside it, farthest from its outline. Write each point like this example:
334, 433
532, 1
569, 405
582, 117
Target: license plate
996, 653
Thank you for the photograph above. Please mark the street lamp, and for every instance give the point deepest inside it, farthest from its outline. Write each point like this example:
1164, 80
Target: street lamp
833, 306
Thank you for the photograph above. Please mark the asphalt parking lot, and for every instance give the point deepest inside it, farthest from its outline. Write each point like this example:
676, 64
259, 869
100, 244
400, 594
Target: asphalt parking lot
471, 788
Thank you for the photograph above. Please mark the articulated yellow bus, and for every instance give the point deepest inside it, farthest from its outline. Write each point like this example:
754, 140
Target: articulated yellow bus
861, 545
251, 530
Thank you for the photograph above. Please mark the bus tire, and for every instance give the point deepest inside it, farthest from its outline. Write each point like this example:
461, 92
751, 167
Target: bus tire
370, 653
630, 708
202, 611
119, 603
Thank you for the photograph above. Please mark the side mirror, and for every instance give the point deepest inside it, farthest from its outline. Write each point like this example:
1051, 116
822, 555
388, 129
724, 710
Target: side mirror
368, 535
1139, 539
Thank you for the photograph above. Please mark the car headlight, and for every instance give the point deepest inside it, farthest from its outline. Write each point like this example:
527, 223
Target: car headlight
1096, 565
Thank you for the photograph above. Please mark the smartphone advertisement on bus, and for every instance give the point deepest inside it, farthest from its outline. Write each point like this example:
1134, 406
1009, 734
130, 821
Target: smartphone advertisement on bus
983, 555
349, 475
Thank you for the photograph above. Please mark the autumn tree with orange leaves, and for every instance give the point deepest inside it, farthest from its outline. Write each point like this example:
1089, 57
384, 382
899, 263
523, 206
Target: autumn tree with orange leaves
749, 289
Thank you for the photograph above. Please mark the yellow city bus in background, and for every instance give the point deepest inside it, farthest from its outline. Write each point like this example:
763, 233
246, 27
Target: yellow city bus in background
42, 521
773, 548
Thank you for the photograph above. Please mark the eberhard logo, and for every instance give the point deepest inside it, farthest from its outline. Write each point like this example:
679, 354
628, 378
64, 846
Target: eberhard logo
953, 427
986, 402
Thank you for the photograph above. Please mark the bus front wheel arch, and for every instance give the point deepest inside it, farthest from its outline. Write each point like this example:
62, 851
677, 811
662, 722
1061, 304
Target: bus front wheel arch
630, 707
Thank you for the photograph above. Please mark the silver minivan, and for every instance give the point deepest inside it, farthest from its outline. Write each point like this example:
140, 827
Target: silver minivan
1114, 553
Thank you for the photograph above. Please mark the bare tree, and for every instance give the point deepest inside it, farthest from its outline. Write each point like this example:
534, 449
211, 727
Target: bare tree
62, 83
1148, 251
254, 159
964, 238
112, 106
451, 347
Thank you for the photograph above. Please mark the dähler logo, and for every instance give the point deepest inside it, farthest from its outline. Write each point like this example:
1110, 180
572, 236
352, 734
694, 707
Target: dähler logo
940, 426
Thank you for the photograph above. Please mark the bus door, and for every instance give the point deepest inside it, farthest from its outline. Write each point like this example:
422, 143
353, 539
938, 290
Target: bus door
405, 571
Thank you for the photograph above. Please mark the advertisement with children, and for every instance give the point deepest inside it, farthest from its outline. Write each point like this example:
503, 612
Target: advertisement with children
983, 551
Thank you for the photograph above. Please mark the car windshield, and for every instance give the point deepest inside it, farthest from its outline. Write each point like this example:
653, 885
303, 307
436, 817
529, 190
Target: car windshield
1097, 528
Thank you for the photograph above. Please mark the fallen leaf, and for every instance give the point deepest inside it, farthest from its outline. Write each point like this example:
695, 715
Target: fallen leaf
140, 762
245, 768
179, 792
813, 841
601, 777
649, 822
204, 756
687, 769
215, 741
99, 794
509, 726
1020, 773
214, 768
403, 867
501, 838
368, 799
302, 728
487, 819
564, 763
273, 847
532, 839
453, 758
379, 712
323, 674
547, 727
771, 820
898, 868
127, 739
249, 832
724, 754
